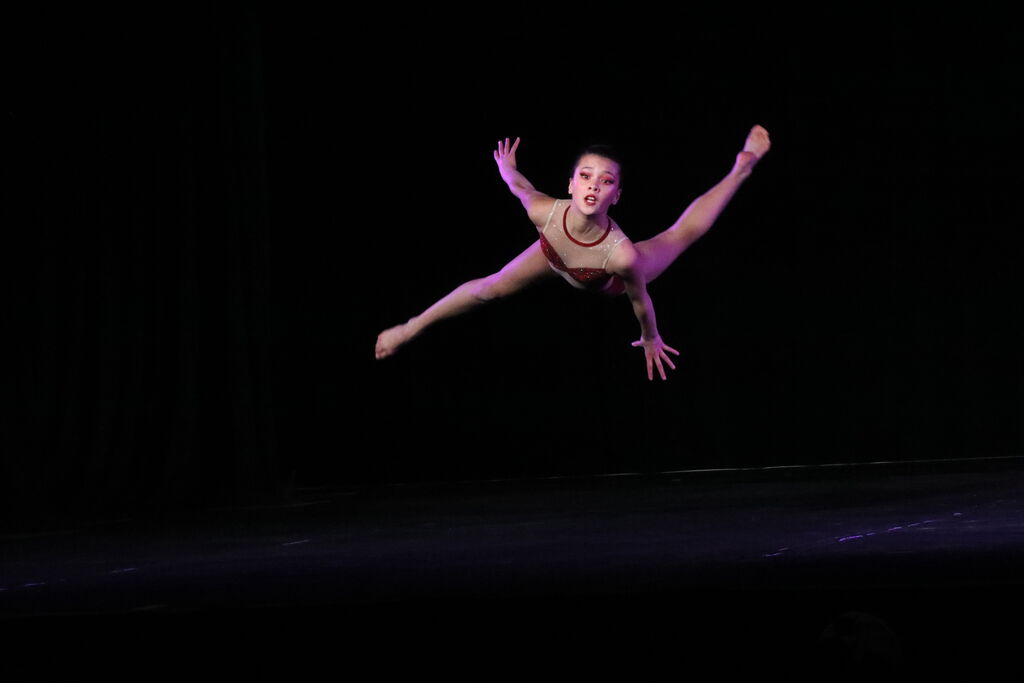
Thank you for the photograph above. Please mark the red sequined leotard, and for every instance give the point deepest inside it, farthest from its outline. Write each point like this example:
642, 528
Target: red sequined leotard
582, 264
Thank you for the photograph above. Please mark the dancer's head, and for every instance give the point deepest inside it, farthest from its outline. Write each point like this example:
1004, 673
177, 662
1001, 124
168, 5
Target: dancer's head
596, 181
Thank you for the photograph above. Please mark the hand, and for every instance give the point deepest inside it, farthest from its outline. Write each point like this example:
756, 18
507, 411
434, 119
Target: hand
505, 155
654, 350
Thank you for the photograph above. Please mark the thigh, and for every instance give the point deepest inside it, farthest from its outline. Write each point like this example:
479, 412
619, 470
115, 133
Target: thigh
659, 252
525, 269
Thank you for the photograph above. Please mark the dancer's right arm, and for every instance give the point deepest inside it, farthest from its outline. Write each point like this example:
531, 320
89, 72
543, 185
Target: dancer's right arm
537, 204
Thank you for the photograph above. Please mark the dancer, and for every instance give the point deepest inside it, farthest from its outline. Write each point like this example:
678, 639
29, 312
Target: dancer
578, 240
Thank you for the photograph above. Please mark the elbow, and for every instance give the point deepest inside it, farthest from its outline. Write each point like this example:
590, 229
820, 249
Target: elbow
524, 194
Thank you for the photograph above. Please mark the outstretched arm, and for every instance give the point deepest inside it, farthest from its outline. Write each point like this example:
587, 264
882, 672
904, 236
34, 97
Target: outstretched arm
537, 204
623, 262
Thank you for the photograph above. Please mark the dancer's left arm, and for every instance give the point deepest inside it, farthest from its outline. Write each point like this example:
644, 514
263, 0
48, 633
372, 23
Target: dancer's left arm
623, 262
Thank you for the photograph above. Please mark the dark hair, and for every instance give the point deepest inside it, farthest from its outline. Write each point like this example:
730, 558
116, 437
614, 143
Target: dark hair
601, 150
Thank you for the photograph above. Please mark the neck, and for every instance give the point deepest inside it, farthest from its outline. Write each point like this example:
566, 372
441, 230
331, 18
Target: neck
581, 224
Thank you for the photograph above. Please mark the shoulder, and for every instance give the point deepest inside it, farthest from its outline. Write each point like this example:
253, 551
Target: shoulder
539, 207
623, 259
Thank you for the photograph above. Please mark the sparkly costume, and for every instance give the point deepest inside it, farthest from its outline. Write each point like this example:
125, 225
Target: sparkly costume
588, 259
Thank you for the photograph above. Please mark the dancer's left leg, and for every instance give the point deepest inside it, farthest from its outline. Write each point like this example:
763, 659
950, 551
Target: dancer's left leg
659, 252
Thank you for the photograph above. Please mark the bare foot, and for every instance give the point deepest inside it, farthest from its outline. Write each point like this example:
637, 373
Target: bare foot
757, 145
389, 341
758, 141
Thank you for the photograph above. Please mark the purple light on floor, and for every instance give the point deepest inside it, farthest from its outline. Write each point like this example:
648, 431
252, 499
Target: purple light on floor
890, 529
866, 534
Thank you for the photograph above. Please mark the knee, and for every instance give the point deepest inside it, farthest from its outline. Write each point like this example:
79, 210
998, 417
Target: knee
489, 289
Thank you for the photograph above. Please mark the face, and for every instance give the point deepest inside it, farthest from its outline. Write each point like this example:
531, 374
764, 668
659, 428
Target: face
595, 184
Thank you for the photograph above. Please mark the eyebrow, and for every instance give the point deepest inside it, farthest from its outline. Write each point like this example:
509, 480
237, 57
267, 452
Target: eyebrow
583, 168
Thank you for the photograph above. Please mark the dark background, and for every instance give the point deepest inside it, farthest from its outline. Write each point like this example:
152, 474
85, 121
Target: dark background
211, 213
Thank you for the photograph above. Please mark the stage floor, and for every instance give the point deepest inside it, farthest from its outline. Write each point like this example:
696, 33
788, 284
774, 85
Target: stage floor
763, 570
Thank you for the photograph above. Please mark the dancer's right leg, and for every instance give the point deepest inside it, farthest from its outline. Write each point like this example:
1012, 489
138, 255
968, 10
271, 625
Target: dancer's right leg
525, 269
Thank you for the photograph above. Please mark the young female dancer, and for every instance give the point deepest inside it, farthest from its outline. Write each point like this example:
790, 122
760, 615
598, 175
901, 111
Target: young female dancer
579, 241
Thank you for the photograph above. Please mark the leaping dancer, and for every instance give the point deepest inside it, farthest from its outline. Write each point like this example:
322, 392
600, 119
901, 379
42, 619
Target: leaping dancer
578, 240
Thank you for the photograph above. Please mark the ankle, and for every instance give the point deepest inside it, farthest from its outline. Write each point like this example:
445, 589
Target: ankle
413, 326
744, 166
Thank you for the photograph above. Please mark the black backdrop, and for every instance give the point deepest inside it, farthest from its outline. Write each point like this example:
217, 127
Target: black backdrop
212, 212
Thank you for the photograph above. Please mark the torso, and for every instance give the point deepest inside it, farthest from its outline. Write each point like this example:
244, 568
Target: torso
582, 264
